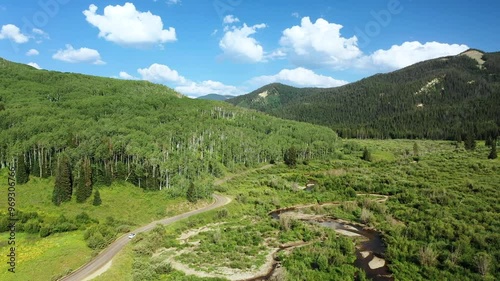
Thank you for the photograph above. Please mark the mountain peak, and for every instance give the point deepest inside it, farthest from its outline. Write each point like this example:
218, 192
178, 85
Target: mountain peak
476, 55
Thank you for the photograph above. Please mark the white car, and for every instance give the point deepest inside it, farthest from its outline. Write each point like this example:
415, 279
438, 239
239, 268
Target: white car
131, 235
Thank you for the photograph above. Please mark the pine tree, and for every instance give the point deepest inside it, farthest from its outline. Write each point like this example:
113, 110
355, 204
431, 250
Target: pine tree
290, 157
191, 193
367, 155
415, 149
470, 142
22, 172
493, 153
97, 198
63, 188
84, 184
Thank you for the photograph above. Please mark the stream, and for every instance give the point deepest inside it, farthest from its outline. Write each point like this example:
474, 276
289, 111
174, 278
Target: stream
370, 249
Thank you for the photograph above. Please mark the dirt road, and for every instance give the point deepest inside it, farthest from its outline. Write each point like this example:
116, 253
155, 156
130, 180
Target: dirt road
107, 255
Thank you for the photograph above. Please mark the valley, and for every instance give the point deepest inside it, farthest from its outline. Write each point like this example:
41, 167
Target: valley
130, 180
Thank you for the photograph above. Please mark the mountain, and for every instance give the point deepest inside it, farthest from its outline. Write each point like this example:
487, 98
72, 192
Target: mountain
215, 97
444, 98
137, 131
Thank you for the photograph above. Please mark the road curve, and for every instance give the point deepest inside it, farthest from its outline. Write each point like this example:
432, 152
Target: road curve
107, 255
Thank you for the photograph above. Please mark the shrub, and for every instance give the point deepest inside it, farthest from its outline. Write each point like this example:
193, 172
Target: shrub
222, 213
427, 256
366, 216
45, 231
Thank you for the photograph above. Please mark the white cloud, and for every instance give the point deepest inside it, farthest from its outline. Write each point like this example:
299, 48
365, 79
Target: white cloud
35, 65
32, 52
12, 32
295, 15
125, 75
238, 45
408, 53
299, 77
319, 44
82, 55
124, 25
207, 87
41, 33
230, 19
161, 73
214, 32
277, 54
173, 2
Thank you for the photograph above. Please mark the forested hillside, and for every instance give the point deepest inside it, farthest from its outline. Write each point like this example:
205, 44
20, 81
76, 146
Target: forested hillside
137, 131
215, 97
445, 98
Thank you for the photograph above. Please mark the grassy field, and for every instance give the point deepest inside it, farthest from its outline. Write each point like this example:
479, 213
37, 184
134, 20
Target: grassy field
56, 254
44, 258
441, 221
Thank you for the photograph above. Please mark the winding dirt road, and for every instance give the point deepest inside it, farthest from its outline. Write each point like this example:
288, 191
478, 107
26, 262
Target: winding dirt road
107, 255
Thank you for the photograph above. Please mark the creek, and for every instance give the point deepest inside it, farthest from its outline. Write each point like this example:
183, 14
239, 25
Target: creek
370, 249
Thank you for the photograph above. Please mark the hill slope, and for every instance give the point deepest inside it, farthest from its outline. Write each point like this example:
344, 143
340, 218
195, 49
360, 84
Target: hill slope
215, 97
443, 98
135, 130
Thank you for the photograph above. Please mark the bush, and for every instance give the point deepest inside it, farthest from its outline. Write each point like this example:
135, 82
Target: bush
32, 226
45, 231
222, 213
366, 216
427, 256
163, 268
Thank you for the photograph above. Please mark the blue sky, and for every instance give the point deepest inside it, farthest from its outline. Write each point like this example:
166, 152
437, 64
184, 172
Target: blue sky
235, 46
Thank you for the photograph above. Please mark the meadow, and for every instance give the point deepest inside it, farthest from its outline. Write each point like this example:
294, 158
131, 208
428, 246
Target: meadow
441, 221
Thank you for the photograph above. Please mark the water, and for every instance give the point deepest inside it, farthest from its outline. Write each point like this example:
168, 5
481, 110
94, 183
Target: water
370, 244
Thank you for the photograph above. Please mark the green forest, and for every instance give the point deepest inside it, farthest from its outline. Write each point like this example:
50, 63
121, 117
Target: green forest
446, 98
96, 130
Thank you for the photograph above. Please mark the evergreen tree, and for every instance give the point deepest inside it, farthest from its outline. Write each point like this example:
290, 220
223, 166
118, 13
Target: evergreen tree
290, 157
191, 193
367, 155
97, 198
416, 152
22, 172
415, 149
63, 188
488, 141
470, 142
84, 184
493, 153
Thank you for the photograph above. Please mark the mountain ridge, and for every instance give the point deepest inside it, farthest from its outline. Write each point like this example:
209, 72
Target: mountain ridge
442, 98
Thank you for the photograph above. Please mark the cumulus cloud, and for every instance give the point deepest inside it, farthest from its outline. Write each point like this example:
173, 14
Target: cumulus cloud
82, 55
408, 53
34, 64
161, 73
230, 19
32, 52
237, 44
13, 33
300, 77
125, 75
207, 87
126, 26
319, 44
